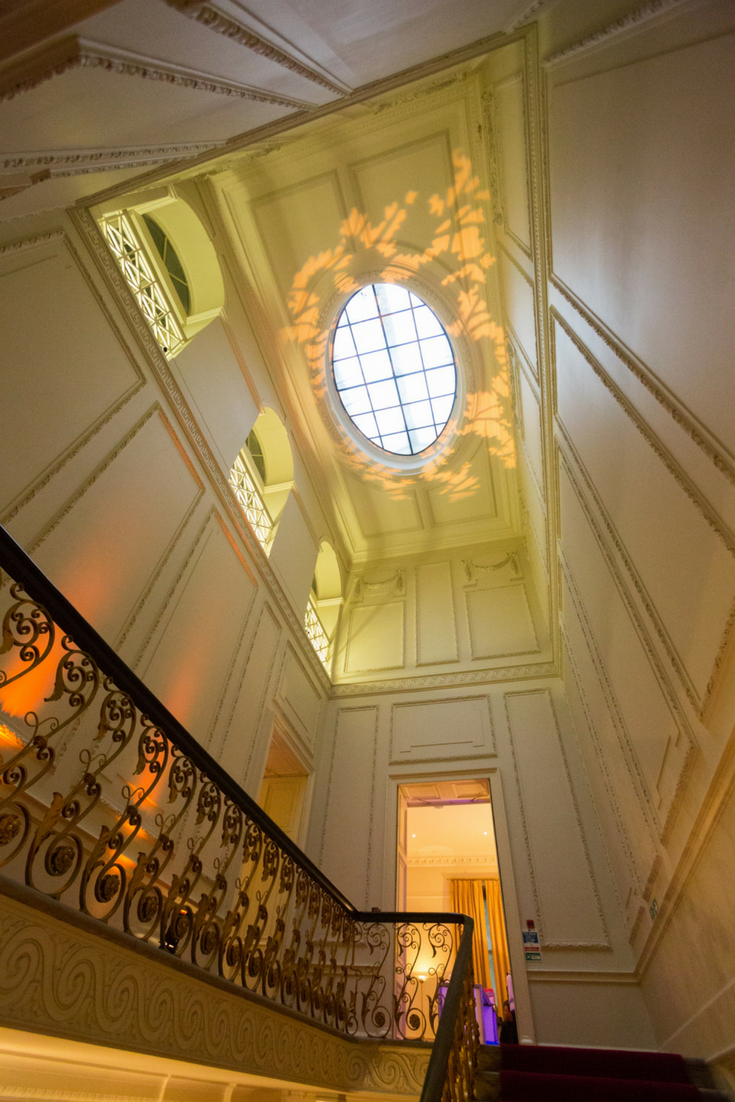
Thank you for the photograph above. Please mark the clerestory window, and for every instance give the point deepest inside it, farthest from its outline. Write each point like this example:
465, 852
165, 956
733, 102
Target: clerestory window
251, 501
315, 631
152, 298
394, 368
171, 260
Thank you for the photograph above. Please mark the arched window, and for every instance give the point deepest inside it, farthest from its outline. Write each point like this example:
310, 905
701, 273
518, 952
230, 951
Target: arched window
170, 258
325, 600
262, 476
169, 263
255, 448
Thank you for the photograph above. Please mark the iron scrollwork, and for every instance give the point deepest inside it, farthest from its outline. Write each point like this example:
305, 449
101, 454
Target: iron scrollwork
127, 825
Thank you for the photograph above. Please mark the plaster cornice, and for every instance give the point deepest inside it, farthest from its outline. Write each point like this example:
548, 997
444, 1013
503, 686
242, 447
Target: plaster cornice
210, 16
358, 96
74, 52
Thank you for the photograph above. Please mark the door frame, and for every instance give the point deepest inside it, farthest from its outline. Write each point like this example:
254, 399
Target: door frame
412, 775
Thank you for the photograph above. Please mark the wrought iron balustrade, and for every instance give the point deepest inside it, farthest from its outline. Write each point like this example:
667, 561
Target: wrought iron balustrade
128, 250
109, 805
252, 503
316, 633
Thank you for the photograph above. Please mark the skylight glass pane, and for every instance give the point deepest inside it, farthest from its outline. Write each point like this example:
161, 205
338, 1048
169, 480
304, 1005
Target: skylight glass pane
441, 381
394, 368
421, 438
418, 415
343, 343
427, 323
399, 328
398, 443
347, 373
356, 400
366, 424
406, 359
391, 298
362, 305
436, 352
412, 388
369, 336
442, 408
390, 420
376, 366
384, 394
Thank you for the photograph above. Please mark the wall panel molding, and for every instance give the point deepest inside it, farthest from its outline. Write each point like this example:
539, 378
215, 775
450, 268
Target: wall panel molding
498, 189
90, 480
568, 452
619, 818
472, 709
548, 942
163, 607
715, 521
715, 451
638, 783
69, 453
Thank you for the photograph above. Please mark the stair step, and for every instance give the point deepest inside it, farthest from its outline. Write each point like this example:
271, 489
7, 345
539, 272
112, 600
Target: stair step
528, 1086
700, 1073
659, 1067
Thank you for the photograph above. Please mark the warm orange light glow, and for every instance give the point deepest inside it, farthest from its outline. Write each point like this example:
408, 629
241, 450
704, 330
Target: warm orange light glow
28, 693
9, 739
459, 242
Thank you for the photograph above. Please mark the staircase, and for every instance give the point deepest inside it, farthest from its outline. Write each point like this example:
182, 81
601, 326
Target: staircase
535, 1073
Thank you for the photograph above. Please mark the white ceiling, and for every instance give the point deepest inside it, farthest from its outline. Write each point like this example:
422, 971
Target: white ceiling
87, 103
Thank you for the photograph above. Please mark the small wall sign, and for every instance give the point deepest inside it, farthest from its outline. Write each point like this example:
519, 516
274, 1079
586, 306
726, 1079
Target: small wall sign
531, 945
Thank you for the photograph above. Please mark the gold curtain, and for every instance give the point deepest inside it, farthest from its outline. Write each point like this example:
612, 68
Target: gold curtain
466, 898
499, 939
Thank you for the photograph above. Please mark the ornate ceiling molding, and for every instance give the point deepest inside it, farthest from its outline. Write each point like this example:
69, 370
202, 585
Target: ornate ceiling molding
533, 10
78, 162
451, 862
626, 24
210, 16
253, 139
447, 680
81, 53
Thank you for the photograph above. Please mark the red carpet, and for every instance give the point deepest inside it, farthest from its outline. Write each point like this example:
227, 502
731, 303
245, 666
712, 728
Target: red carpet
530, 1073
664, 1067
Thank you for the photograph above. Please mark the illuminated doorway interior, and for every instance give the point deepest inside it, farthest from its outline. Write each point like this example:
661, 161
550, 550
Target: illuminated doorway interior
447, 861
283, 790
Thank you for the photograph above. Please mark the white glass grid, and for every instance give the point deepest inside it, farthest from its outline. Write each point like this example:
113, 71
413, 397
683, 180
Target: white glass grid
317, 634
252, 503
394, 368
149, 294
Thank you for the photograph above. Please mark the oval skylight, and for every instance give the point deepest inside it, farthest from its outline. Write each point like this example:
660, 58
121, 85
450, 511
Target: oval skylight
394, 368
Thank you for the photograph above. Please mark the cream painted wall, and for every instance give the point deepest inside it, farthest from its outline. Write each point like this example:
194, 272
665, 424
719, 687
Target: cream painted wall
610, 731
123, 500
620, 335
556, 869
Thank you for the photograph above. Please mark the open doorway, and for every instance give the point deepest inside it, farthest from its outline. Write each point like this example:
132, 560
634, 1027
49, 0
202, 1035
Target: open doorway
282, 793
447, 861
